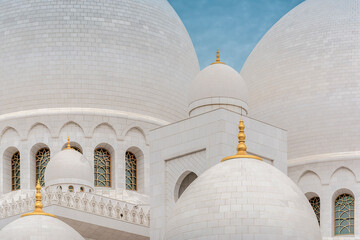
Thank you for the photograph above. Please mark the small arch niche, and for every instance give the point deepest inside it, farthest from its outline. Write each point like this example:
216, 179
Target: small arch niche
183, 183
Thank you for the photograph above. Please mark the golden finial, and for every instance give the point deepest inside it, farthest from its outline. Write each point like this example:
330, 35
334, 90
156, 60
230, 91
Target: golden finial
241, 147
217, 58
68, 144
38, 204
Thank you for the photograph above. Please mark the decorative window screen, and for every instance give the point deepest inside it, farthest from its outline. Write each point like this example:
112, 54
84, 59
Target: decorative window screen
102, 167
42, 158
15, 171
131, 171
344, 215
315, 203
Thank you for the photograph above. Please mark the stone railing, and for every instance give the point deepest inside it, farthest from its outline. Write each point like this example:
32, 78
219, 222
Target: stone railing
86, 202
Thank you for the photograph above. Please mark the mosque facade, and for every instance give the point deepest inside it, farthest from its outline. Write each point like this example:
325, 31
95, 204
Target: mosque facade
109, 130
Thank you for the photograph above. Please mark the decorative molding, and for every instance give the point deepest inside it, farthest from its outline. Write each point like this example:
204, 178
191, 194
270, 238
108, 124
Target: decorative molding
82, 111
85, 202
328, 157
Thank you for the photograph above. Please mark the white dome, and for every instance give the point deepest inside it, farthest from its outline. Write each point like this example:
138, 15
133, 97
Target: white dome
243, 199
304, 76
69, 167
38, 227
132, 56
218, 85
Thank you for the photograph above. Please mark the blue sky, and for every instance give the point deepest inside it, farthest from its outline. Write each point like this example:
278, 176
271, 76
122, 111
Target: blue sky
233, 26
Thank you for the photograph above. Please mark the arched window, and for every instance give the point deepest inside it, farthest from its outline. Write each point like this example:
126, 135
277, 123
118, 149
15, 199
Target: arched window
42, 158
315, 203
71, 188
102, 167
15, 171
81, 189
344, 214
77, 149
130, 171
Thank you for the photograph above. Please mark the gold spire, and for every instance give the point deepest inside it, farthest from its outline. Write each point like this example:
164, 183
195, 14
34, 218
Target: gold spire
241, 148
68, 144
217, 58
38, 204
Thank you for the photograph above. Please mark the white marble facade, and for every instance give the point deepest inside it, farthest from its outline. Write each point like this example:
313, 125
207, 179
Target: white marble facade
198, 143
92, 71
115, 133
116, 74
327, 180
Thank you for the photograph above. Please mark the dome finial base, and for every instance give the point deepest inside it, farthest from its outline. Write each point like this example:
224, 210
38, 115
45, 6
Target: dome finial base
241, 148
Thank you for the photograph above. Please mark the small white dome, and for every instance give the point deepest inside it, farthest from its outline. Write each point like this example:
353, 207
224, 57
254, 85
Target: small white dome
69, 167
218, 85
243, 198
38, 227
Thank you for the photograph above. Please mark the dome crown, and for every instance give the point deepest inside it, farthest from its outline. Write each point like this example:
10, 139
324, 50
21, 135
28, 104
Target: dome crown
69, 167
218, 85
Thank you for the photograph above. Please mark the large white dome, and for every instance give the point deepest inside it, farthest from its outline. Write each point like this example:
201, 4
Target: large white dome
243, 199
133, 56
304, 76
38, 227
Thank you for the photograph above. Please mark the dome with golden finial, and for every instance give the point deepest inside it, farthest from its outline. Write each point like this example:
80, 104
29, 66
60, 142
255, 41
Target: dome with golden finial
38, 225
253, 199
218, 86
69, 168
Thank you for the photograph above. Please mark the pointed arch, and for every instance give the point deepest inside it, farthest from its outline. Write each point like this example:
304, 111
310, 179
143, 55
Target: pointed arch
343, 173
9, 133
183, 182
134, 130
38, 129
309, 174
71, 128
104, 129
